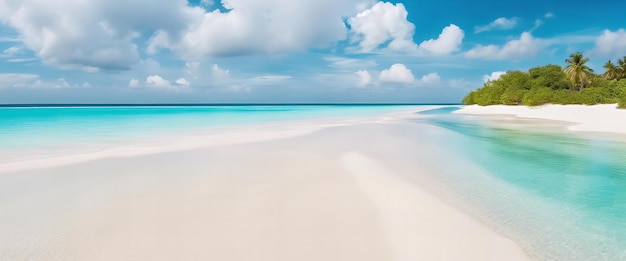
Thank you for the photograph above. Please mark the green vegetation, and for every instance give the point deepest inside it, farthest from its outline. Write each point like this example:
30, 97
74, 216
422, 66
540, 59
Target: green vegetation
576, 84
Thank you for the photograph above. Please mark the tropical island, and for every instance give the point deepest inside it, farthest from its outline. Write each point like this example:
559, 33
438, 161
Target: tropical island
551, 84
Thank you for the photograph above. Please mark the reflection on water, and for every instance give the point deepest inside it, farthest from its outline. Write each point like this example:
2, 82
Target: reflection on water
562, 196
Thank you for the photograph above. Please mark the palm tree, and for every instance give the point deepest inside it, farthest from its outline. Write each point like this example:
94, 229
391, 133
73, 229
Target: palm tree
621, 68
612, 72
577, 72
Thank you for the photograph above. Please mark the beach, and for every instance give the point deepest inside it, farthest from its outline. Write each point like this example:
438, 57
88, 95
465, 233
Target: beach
358, 191
604, 118
386, 183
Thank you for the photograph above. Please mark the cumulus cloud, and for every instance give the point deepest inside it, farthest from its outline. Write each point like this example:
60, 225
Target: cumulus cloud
383, 24
182, 82
494, 76
365, 78
252, 27
397, 73
611, 44
449, 41
160, 83
106, 34
501, 23
80, 34
429, 79
525, 46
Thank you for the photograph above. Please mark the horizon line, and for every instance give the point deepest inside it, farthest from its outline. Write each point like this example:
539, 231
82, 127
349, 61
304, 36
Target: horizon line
205, 104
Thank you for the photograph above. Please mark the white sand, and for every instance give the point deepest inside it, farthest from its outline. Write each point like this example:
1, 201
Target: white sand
596, 118
334, 194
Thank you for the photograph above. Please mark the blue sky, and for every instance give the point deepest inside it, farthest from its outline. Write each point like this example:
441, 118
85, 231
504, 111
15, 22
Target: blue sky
288, 51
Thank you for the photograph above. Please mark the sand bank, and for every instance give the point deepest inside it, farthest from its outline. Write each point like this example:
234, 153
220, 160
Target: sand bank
335, 194
596, 118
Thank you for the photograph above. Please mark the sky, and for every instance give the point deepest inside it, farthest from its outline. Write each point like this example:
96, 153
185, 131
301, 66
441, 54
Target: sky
289, 51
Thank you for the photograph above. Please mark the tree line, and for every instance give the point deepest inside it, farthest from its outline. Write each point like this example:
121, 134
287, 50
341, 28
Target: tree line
575, 84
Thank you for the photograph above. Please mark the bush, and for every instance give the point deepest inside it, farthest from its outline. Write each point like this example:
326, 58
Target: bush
512, 96
488, 95
537, 96
546, 84
469, 99
550, 76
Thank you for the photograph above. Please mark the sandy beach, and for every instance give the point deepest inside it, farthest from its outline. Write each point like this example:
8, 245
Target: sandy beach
604, 118
349, 192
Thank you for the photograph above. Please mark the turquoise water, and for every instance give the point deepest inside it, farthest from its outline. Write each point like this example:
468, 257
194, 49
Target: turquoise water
561, 195
48, 129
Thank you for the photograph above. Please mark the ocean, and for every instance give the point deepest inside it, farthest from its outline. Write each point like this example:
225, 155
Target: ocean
26, 132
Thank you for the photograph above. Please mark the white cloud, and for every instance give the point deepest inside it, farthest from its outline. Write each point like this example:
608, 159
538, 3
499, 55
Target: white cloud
182, 82
501, 23
429, 79
365, 78
397, 73
133, 83
219, 73
24, 80
348, 63
494, 76
158, 82
108, 35
449, 41
549, 15
60, 83
611, 44
258, 27
383, 24
13, 50
13, 79
74, 34
525, 46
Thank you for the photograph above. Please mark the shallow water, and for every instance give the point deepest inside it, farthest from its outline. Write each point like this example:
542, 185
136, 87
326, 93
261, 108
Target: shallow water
49, 129
561, 195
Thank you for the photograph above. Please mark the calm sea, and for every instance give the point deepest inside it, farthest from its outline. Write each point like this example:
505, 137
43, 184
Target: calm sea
58, 128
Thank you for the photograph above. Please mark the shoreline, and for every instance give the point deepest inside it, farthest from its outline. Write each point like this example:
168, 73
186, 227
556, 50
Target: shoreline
603, 119
345, 193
